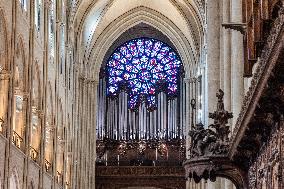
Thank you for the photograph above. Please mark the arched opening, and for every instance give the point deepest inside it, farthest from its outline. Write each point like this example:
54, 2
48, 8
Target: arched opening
60, 145
112, 31
142, 103
49, 131
20, 96
4, 76
36, 115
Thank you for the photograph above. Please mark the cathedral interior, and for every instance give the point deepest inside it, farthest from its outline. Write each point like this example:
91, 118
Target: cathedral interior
141, 94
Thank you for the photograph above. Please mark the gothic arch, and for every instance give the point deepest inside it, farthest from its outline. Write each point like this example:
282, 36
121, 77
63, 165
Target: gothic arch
50, 128
4, 70
190, 11
36, 86
3, 41
20, 65
134, 17
60, 142
36, 133
20, 80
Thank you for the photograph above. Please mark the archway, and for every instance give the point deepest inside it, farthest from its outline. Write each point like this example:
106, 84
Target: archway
4, 70
160, 144
92, 56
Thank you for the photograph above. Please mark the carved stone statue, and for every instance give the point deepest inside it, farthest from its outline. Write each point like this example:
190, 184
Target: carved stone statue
213, 140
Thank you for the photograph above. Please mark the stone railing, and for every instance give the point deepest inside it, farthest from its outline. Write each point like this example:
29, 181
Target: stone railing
17, 140
47, 166
2, 126
59, 177
33, 154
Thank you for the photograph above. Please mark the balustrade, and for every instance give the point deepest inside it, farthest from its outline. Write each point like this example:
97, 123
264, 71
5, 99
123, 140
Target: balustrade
47, 166
17, 140
33, 154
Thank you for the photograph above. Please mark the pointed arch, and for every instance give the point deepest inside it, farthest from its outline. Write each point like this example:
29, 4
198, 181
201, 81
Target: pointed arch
36, 86
20, 65
3, 42
4, 70
134, 17
35, 132
20, 80
60, 143
49, 129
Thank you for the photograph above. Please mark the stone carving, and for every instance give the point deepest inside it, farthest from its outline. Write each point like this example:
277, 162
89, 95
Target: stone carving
214, 140
2, 123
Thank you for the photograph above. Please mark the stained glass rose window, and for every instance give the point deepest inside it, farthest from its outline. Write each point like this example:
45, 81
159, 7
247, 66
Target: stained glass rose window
143, 67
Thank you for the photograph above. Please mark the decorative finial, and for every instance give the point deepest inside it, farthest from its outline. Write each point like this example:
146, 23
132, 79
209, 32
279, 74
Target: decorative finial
215, 139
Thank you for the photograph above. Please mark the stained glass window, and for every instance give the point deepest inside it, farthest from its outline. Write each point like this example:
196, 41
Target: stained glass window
143, 67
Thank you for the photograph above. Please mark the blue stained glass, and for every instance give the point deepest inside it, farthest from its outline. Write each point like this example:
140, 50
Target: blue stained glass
143, 67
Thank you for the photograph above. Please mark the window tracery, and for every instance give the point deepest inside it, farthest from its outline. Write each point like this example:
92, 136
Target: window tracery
143, 67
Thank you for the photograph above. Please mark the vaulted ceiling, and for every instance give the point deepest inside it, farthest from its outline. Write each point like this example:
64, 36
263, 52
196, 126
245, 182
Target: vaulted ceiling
182, 18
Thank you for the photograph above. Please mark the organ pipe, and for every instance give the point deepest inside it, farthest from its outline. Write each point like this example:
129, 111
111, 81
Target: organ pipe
168, 121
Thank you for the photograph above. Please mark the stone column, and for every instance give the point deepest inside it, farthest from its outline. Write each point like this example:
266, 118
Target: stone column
188, 115
237, 61
213, 56
94, 126
226, 56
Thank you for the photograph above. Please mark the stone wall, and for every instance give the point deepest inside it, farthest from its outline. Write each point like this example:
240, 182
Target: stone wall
38, 137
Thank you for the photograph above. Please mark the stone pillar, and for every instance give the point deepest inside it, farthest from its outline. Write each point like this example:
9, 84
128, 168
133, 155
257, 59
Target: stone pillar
226, 56
94, 105
213, 56
237, 61
188, 115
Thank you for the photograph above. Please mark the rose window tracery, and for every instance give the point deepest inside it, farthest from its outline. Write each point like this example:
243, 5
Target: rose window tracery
143, 67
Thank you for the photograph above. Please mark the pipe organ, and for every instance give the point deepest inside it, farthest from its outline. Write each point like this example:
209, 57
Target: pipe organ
143, 106
158, 130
